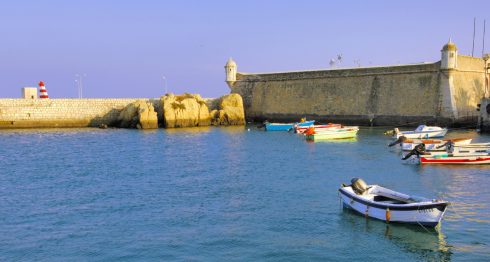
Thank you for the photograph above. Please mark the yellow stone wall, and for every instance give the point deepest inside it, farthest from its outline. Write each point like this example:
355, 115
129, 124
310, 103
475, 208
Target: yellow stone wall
24, 113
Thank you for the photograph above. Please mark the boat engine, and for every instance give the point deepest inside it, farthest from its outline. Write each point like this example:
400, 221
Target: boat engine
398, 141
359, 186
418, 150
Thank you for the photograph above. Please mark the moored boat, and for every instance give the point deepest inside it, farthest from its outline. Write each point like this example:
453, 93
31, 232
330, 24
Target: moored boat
384, 204
430, 144
421, 132
286, 126
338, 133
302, 129
452, 156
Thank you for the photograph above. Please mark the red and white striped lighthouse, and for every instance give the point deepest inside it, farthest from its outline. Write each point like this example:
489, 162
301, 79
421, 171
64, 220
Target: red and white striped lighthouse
42, 90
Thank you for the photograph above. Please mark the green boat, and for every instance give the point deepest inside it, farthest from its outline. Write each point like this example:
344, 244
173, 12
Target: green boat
340, 133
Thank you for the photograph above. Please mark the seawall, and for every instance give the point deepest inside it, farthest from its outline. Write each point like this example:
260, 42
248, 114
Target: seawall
385, 95
27, 113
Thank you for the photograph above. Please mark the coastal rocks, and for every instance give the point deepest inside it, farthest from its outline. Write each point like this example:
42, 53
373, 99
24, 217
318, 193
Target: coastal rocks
187, 110
230, 111
139, 114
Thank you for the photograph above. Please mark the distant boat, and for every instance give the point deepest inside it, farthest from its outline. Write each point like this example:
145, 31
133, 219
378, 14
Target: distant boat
302, 129
286, 126
422, 132
339, 133
430, 144
384, 204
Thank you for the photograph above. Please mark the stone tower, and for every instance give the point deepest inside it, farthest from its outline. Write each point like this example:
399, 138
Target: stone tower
231, 70
449, 56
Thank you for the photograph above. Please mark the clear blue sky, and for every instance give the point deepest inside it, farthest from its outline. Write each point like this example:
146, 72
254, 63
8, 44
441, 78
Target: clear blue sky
125, 47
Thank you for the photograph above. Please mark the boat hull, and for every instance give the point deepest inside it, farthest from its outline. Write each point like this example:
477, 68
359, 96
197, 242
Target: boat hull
332, 134
422, 134
319, 128
286, 126
456, 160
428, 215
432, 145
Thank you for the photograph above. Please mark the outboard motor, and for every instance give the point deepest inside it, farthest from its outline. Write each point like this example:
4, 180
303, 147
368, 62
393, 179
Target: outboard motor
263, 124
359, 186
449, 146
418, 150
398, 141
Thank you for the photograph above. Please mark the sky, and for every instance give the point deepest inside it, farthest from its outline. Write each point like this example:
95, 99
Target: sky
139, 49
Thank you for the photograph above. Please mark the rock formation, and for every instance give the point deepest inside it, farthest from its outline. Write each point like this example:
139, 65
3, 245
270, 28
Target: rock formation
187, 110
230, 111
139, 114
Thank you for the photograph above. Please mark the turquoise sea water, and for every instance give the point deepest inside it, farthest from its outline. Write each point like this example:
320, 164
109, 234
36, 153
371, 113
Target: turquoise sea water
223, 194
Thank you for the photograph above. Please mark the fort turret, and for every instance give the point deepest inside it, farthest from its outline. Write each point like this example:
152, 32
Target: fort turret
231, 70
449, 56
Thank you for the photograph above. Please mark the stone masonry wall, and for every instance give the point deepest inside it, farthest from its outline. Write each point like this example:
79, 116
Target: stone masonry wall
25, 113
469, 82
376, 95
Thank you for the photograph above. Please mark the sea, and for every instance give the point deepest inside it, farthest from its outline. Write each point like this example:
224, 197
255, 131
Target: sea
224, 194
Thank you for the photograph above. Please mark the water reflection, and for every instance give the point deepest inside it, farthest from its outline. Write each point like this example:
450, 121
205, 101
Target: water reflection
428, 244
197, 129
334, 141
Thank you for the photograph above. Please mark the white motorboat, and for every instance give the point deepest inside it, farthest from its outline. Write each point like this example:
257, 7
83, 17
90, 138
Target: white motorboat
384, 204
421, 132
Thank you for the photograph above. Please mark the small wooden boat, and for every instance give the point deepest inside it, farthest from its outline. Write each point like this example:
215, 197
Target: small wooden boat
430, 144
384, 204
419, 156
421, 132
286, 126
338, 133
302, 129
455, 159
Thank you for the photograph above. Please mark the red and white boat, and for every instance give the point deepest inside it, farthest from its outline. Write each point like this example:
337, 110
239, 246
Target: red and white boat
433, 144
473, 159
318, 128
419, 156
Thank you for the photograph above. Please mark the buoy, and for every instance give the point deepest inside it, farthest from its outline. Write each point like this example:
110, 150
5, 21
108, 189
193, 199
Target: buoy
42, 90
388, 215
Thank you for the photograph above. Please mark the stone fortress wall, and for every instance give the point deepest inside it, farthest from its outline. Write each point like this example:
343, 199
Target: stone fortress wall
444, 92
24, 113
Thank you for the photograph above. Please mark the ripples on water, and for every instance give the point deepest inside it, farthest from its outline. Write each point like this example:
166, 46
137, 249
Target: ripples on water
222, 194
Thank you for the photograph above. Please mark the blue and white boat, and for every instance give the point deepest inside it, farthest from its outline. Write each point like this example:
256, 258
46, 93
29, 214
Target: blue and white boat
286, 126
384, 204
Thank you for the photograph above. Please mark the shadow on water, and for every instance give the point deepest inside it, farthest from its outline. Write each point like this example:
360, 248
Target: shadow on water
428, 244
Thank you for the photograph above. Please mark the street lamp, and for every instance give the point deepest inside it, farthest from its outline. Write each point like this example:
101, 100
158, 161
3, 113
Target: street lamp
79, 81
165, 83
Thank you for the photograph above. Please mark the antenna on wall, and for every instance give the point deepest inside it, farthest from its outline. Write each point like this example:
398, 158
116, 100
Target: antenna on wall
483, 48
474, 29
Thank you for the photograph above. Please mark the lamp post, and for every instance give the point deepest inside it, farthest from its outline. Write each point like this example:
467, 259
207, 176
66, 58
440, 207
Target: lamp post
486, 66
165, 83
79, 81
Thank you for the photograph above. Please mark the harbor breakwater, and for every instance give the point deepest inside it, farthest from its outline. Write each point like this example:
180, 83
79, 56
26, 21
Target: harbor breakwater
180, 111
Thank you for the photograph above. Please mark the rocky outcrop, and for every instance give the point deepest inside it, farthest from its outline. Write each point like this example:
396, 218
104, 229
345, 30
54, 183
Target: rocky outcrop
187, 110
230, 111
139, 114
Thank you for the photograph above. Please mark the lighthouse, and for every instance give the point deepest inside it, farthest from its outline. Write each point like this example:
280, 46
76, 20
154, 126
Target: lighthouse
43, 93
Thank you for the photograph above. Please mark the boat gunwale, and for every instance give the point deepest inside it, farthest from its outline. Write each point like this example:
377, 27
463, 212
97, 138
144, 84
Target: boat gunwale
398, 207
